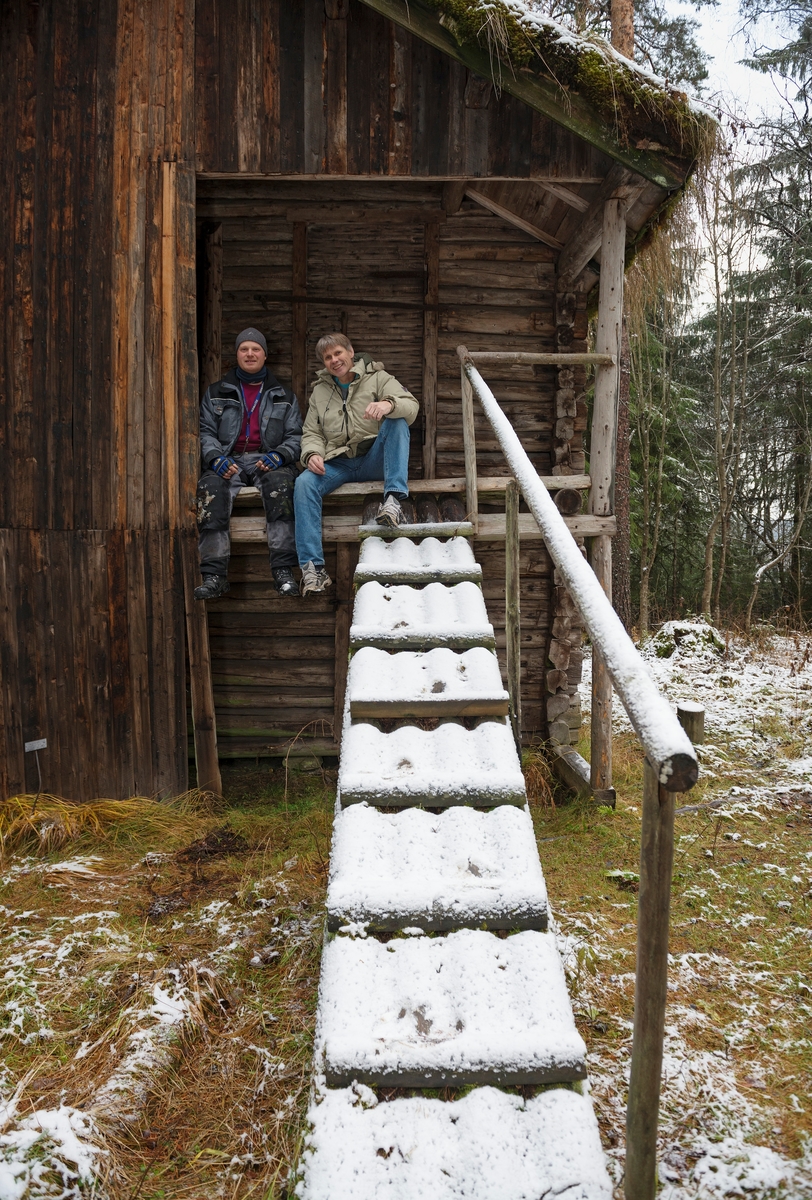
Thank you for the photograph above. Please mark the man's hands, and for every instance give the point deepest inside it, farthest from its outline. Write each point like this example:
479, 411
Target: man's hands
224, 466
378, 409
270, 461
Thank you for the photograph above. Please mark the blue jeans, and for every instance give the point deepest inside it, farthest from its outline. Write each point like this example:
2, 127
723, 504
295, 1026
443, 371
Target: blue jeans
387, 459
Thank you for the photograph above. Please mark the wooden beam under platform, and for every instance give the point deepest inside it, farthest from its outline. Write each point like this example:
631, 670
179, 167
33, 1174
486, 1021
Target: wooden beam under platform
337, 528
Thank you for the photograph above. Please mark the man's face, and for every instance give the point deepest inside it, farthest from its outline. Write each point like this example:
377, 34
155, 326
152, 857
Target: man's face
338, 361
251, 357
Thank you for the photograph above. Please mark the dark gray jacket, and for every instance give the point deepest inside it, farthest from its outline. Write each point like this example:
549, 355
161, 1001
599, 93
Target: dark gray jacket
222, 417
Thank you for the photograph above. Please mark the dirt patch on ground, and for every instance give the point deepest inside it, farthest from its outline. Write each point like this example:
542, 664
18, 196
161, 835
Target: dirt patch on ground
220, 843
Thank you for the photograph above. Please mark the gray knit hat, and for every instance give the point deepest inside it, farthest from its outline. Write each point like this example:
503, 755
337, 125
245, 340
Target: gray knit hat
251, 335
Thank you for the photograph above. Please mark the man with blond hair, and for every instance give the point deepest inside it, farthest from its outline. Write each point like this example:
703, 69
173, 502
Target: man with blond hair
356, 430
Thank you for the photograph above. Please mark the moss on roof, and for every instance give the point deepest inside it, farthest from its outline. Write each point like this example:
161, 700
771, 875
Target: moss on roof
639, 110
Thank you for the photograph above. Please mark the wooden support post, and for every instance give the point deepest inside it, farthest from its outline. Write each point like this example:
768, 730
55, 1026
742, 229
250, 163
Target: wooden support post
469, 447
430, 328
298, 355
653, 903
212, 333
513, 609
202, 690
601, 719
691, 717
169, 336
344, 597
602, 462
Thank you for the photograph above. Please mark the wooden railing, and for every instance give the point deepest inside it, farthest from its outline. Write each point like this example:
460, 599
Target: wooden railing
670, 763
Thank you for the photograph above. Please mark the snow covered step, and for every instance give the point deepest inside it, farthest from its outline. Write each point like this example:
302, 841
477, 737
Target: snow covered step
405, 561
405, 618
446, 1011
439, 683
437, 768
451, 870
486, 1146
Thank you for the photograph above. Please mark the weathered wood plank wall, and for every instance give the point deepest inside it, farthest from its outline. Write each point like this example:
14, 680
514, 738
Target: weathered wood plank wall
96, 269
108, 108
271, 99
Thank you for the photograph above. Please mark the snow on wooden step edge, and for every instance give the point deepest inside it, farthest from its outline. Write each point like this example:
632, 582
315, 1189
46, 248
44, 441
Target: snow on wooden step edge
437, 767
486, 1146
410, 618
436, 680
403, 560
458, 869
467, 1008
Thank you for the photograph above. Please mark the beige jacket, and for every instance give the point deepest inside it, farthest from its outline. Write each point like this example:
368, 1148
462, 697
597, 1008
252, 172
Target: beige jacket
333, 426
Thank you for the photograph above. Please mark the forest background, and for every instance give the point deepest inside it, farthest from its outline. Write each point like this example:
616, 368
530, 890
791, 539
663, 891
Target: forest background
715, 431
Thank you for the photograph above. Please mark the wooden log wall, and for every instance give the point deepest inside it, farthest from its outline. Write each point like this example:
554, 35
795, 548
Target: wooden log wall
495, 290
97, 280
333, 88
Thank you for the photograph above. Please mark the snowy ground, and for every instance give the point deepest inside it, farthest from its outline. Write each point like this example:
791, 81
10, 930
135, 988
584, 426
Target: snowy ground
152, 1009
736, 1116
156, 1009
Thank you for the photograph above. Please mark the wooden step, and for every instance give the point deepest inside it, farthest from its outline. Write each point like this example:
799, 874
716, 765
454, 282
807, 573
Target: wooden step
486, 1146
407, 618
453, 870
447, 529
466, 1008
436, 768
439, 682
404, 561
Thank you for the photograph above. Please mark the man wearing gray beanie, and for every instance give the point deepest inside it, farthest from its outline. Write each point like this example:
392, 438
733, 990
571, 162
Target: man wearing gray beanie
250, 436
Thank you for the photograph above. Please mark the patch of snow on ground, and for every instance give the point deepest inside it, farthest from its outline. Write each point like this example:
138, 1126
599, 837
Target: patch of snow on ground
50, 1153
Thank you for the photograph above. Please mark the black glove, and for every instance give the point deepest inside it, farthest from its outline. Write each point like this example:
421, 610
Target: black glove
222, 465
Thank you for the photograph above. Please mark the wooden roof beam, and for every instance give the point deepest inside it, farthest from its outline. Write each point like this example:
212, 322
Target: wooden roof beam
513, 218
563, 193
620, 184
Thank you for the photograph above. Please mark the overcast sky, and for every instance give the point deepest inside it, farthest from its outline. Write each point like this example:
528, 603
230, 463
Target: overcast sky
730, 83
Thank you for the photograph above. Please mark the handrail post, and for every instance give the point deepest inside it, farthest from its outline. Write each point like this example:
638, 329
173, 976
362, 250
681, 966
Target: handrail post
469, 443
513, 609
651, 987
602, 465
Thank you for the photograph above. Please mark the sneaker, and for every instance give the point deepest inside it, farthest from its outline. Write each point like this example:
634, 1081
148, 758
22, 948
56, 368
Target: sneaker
314, 579
286, 585
390, 513
211, 587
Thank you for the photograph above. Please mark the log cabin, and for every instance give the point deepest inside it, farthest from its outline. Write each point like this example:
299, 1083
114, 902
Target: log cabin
419, 174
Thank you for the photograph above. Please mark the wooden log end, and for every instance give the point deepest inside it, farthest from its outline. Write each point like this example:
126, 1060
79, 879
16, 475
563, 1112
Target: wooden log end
679, 773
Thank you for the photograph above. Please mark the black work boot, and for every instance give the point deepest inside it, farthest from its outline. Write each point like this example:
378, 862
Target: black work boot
211, 587
286, 585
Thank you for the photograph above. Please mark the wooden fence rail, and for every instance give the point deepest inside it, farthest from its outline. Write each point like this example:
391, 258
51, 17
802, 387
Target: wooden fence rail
670, 767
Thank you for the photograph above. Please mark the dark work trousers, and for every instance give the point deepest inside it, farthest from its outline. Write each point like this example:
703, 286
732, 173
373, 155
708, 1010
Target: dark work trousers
215, 500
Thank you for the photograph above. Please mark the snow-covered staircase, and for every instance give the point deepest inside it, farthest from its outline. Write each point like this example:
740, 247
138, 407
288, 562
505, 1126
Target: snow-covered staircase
483, 1002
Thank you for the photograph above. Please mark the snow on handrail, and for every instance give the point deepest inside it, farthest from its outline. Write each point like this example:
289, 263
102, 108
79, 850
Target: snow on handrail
665, 742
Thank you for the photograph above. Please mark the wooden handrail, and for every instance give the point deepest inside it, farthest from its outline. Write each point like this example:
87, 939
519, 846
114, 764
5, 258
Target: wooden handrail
664, 740
670, 766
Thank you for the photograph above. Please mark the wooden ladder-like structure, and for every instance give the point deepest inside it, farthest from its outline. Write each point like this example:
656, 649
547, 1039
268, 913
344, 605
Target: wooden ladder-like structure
439, 969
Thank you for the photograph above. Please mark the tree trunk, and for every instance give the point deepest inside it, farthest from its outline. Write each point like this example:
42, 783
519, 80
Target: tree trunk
622, 18
621, 566
707, 583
